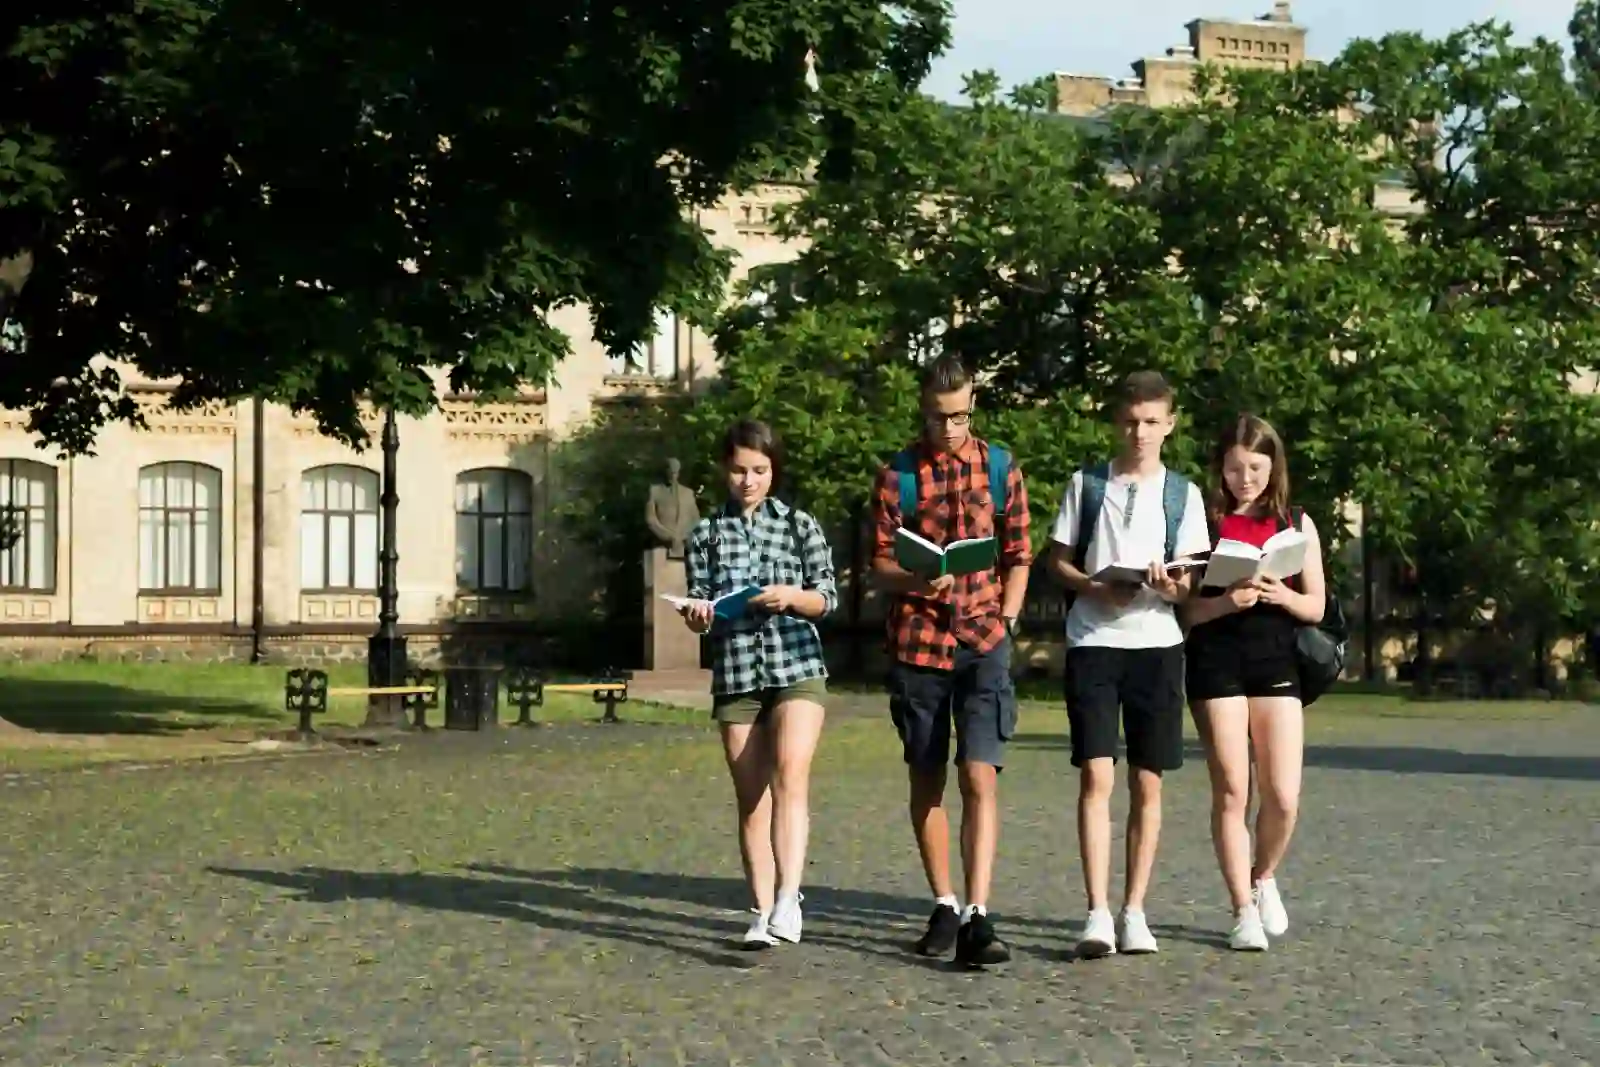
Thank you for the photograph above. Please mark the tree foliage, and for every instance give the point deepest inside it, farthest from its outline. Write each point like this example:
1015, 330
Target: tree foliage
1420, 363
315, 203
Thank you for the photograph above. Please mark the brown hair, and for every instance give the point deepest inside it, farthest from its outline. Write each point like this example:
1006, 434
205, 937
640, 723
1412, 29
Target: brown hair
1254, 434
944, 375
757, 436
1141, 387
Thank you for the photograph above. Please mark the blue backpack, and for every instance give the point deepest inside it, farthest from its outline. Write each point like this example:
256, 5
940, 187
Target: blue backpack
1092, 497
904, 463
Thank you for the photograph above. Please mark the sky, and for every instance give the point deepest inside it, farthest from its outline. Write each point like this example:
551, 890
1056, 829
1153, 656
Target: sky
1023, 39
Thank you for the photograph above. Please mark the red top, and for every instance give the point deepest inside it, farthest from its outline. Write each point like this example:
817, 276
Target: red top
953, 502
1247, 528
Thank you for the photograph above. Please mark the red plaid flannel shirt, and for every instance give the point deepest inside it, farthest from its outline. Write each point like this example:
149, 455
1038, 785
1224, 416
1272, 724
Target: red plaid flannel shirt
953, 502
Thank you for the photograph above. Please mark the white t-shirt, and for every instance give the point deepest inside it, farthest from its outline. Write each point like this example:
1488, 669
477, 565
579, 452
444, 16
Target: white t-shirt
1138, 538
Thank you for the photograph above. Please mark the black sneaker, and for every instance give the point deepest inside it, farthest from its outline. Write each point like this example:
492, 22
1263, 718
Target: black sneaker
943, 925
977, 946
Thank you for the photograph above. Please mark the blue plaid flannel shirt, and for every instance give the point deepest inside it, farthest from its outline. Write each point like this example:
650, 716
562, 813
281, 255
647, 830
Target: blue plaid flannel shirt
727, 551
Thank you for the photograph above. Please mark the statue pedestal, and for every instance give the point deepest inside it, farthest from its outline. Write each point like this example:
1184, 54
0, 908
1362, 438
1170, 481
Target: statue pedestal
668, 643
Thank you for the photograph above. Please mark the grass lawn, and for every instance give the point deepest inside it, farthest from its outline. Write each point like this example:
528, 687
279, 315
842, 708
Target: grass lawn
76, 713
79, 712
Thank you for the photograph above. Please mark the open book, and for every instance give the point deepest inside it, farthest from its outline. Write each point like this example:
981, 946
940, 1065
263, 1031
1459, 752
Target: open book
728, 606
1283, 556
921, 556
1129, 574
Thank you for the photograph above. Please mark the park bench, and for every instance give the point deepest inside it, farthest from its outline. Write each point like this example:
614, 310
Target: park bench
306, 693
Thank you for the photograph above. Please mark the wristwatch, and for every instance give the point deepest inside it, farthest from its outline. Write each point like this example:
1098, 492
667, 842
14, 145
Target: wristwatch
1011, 625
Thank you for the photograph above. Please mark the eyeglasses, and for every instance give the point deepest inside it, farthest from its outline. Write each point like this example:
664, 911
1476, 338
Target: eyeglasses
1127, 511
954, 418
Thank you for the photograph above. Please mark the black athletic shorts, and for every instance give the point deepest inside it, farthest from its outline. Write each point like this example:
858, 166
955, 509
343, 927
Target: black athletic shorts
1244, 655
1144, 685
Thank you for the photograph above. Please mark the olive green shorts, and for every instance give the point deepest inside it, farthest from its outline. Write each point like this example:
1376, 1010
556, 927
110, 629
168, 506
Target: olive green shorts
756, 706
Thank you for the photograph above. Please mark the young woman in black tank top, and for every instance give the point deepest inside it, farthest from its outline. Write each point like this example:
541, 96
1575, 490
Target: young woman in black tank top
1244, 681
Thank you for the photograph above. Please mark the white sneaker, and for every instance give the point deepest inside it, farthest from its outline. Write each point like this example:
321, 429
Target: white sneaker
1136, 936
758, 937
1247, 935
785, 921
1099, 936
1274, 920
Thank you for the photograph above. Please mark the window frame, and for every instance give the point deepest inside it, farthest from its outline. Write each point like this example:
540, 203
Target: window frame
509, 475
327, 514
166, 509
11, 468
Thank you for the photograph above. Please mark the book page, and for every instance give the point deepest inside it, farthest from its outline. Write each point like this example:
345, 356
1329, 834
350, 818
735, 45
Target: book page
918, 540
1285, 560
1225, 570
1122, 574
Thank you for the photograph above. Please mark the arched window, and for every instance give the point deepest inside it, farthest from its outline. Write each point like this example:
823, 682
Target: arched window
338, 530
180, 528
494, 530
27, 525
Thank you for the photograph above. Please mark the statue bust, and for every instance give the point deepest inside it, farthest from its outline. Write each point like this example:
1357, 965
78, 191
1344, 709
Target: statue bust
671, 512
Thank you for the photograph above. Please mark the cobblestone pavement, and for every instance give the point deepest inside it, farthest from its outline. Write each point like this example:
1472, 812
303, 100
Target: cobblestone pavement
568, 895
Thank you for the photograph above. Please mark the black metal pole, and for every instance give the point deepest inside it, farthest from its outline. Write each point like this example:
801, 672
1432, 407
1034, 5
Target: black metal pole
386, 650
1369, 614
258, 529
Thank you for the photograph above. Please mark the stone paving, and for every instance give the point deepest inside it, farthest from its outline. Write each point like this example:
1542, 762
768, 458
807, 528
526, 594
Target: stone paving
568, 896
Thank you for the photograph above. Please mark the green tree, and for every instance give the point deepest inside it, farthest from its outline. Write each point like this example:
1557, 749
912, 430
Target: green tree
1498, 143
315, 204
1585, 31
1420, 366
1057, 256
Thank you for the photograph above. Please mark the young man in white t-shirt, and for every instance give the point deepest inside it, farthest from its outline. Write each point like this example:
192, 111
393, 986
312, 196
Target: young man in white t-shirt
1125, 647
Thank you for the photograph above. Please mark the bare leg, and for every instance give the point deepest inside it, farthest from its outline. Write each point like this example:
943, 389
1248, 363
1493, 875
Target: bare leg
980, 828
1227, 743
1095, 781
932, 827
748, 752
1277, 726
1144, 832
796, 728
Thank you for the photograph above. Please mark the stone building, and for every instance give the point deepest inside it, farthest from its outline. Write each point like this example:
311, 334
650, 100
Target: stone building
1272, 41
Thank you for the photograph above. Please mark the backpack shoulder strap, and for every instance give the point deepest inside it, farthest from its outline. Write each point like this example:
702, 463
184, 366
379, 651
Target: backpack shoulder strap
904, 464
1091, 498
999, 475
1174, 502
799, 543
1297, 519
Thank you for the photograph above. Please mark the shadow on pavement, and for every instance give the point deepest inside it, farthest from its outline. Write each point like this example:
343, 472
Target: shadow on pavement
877, 910
901, 916
586, 901
1397, 759
523, 901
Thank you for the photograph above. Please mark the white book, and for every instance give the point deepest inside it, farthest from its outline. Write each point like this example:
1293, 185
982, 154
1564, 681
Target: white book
1283, 556
1132, 574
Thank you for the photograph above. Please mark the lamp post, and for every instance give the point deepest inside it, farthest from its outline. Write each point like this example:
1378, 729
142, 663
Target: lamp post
386, 649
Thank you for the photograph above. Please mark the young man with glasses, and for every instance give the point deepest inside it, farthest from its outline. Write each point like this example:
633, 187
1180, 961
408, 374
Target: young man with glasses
950, 647
1125, 647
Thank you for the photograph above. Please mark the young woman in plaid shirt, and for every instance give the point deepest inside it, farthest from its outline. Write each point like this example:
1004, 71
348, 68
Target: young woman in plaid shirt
768, 680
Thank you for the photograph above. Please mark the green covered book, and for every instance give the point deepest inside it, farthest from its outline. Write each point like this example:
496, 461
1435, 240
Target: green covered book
920, 556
